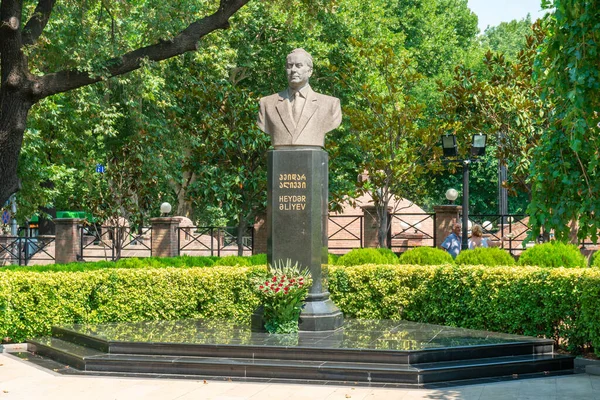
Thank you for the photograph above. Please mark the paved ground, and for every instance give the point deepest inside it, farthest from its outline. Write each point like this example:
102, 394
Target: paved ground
22, 380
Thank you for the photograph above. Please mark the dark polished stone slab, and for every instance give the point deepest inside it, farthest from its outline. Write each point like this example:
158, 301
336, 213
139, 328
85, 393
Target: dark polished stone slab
357, 340
398, 352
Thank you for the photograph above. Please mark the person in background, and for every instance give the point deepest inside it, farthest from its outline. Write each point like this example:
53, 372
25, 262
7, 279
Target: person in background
453, 241
477, 239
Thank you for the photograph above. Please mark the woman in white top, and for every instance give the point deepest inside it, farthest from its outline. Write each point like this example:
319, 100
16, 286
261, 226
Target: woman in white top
477, 239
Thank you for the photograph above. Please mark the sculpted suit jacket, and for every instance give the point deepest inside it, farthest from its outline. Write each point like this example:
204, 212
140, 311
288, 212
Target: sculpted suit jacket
320, 115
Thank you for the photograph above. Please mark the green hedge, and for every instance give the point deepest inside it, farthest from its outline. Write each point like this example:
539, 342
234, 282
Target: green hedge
31, 302
426, 256
553, 254
488, 256
557, 303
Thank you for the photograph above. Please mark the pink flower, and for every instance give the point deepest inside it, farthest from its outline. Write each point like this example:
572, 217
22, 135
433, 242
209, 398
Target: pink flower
274, 279
276, 290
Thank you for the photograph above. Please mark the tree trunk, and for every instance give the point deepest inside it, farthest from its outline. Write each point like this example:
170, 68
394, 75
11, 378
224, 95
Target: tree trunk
382, 231
14, 108
242, 226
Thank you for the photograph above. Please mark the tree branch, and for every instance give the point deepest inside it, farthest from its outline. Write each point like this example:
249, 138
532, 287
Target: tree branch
36, 24
186, 40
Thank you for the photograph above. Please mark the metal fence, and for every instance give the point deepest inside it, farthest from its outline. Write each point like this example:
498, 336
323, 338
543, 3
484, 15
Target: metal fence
345, 232
22, 250
505, 231
105, 242
213, 241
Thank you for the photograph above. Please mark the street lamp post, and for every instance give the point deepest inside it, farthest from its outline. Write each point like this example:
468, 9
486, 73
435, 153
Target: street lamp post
450, 149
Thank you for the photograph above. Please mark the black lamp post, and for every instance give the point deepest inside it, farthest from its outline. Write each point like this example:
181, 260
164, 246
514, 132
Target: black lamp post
451, 150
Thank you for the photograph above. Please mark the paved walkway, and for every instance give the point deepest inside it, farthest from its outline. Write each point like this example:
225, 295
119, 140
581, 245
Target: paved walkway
22, 380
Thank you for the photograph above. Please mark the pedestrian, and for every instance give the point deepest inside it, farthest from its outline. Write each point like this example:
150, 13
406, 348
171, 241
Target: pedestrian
452, 242
477, 239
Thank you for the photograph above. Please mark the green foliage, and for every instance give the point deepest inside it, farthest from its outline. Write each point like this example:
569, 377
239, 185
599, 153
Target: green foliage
258, 259
565, 166
389, 256
363, 256
426, 256
282, 296
332, 258
553, 254
595, 260
32, 302
233, 261
555, 303
490, 257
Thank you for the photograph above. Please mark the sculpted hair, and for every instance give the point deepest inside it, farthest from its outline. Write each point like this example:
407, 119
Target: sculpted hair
306, 54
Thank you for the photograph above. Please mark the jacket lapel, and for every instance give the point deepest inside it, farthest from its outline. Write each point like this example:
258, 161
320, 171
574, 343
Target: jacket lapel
307, 112
284, 113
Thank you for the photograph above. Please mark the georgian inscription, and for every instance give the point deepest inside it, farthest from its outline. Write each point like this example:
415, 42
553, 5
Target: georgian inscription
296, 199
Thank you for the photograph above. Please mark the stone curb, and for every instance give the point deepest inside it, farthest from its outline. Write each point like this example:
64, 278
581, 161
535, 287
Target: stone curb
592, 369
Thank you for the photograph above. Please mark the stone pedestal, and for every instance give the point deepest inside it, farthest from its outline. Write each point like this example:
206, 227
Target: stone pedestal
445, 216
297, 196
67, 243
165, 236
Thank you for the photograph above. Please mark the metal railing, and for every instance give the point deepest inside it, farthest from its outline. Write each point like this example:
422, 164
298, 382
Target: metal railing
213, 241
506, 231
106, 242
345, 232
410, 230
20, 250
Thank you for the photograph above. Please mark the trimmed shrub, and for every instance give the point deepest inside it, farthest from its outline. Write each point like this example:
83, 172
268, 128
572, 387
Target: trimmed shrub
556, 303
426, 256
232, 261
31, 302
553, 254
258, 259
595, 260
332, 259
388, 255
490, 257
362, 257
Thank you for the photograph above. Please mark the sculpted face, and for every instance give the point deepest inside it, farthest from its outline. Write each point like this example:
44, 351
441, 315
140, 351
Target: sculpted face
298, 70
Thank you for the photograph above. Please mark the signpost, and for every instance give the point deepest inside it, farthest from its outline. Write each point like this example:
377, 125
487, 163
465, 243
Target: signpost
5, 217
100, 168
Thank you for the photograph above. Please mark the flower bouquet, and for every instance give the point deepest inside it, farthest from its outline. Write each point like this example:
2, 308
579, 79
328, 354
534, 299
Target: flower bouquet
282, 296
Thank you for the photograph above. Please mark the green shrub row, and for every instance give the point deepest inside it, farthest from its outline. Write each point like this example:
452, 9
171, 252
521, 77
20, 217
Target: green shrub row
184, 261
556, 303
551, 255
31, 302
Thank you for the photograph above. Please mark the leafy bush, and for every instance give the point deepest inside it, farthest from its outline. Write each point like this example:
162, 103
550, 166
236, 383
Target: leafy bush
258, 259
553, 254
361, 257
556, 303
426, 256
332, 258
388, 255
148, 262
490, 257
231, 261
595, 260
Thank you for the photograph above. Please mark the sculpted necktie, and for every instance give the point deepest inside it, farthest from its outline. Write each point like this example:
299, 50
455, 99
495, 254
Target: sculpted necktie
296, 107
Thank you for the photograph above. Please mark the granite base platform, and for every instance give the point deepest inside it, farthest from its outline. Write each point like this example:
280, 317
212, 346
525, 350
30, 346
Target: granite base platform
368, 352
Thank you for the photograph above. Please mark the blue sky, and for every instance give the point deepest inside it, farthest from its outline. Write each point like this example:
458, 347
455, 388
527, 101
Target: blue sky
492, 12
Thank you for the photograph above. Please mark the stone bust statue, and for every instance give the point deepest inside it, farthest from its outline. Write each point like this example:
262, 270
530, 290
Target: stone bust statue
298, 116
